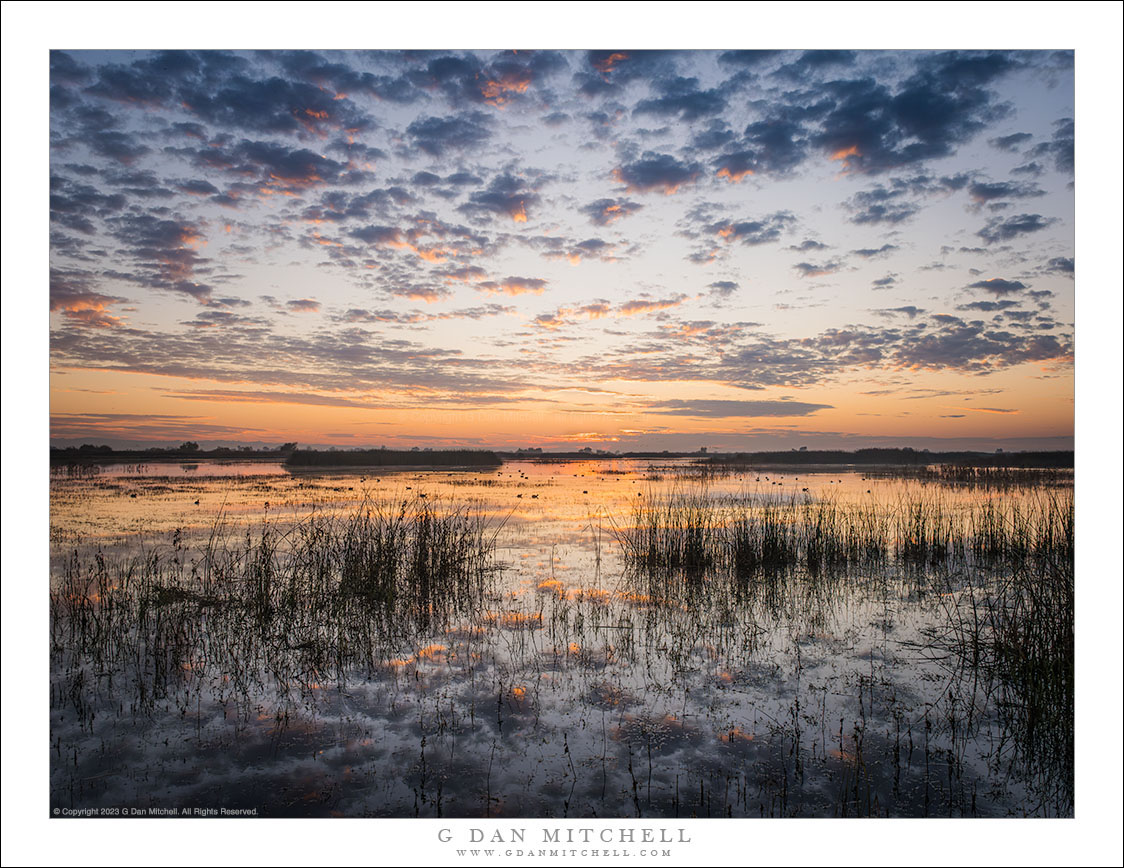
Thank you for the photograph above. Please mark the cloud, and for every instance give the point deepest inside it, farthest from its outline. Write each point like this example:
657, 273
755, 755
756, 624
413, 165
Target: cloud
503, 79
656, 173
1001, 410
1006, 229
810, 269
590, 248
1061, 265
269, 168
722, 288
880, 205
872, 129
749, 57
514, 286
393, 317
1010, 143
598, 309
142, 427
607, 70
874, 252
988, 306
998, 286
816, 61
73, 204
766, 147
506, 195
165, 250
764, 230
681, 97
725, 409
1060, 147
437, 136
303, 305
984, 192
231, 396
644, 305
602, 212
72, 296
908, 310
274, 105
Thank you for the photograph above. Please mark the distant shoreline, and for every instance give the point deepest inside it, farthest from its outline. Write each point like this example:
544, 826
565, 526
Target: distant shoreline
807, 460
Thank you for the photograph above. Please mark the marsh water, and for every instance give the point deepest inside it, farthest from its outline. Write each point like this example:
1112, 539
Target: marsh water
567, 684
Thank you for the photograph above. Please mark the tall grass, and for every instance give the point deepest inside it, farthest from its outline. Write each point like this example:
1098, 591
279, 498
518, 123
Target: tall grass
300, 604
1003, 570
1015, 630
968, 476
688, 533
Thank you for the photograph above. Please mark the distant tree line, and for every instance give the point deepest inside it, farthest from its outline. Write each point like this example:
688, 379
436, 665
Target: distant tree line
898, 457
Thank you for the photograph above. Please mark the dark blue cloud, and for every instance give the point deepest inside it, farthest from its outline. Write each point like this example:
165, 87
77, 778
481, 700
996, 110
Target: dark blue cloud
815, 62
606, 70
766, 147
165, 251
872, 252
1059, 148
656, 172
506, 195
875, 129
988, 306
988, 191
73, 205
1010, 143
999, 286
681, 97
749, 58
602, 212
754, 232
1061, 265
1006, 229
437, 136
66, 71
723, 288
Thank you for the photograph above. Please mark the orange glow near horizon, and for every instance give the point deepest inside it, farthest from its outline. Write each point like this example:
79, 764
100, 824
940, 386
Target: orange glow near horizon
164, 410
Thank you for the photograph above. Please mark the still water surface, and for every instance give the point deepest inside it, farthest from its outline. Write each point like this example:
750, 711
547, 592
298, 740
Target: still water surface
570, 690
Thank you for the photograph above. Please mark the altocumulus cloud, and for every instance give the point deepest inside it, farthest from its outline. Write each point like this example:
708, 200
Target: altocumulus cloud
717, 408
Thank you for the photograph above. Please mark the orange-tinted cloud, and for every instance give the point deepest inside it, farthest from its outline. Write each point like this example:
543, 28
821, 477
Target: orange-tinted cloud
514, 286
643, 305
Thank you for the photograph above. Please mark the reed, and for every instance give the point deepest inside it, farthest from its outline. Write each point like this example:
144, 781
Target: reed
689, 533
299, 603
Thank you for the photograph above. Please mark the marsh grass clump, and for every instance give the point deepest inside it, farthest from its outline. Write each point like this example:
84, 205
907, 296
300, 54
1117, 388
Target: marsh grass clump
977, 477
1015, 630
293, 605
689, 533
678, 535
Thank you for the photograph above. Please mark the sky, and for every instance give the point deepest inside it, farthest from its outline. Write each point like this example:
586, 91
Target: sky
620, 249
